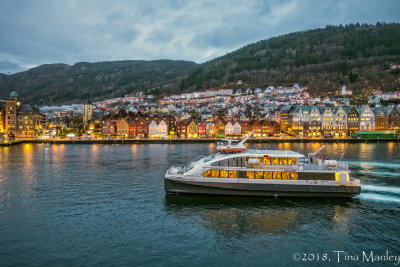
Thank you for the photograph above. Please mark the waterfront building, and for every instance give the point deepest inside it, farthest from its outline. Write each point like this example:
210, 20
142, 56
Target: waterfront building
237, 128
181, 128
327, 120
202, 129
11, 106
367, 118
162, 129
305, 118
394, 118
285, 118
122, 127
245, 127
219, 128
381, 120
1, 118
153, 128
340, 121
142, 128
275, 128
171, 124
296, 120
132, 127
315, 121
192, 129
210, 129
353, 119
29, 122
108, 126
256, 128
109, 123
266, 128
229, 128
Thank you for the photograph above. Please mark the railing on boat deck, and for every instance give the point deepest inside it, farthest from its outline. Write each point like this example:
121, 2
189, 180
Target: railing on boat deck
340, 166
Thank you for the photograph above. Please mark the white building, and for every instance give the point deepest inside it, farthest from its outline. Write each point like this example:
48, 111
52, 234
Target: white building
229, 130
162, 129
237, 128
153, 129
328, 118
367, 118
340, 120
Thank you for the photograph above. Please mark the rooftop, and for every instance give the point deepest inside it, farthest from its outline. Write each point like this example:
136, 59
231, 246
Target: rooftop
275, 152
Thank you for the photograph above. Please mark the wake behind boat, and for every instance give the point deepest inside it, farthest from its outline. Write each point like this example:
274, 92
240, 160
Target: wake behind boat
236, 170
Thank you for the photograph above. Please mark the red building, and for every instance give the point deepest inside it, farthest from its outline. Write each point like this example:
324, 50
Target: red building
201, 129
275, 128
181, 128
256, 128
266, 128
132, 127
246, 127
142, 128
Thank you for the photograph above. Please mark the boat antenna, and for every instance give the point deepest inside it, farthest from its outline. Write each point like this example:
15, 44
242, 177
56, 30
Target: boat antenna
245, 139
312, 155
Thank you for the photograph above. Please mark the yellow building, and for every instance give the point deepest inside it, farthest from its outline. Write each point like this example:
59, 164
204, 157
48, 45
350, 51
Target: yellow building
11, 106
1, 118
122, 128
192, 130
28, 122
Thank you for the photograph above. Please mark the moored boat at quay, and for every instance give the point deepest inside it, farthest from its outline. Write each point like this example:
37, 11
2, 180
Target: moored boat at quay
259, 172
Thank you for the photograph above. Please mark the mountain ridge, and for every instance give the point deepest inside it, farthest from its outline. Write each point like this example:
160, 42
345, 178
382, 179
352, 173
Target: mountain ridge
62, 83
323, 59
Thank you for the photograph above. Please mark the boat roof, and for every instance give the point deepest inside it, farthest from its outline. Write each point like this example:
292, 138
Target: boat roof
276, 153
227, 140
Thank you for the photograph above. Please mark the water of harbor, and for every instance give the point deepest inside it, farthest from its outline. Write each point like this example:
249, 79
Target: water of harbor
98, 205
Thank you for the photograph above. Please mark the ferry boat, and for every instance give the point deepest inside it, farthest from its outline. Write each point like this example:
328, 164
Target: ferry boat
259, 172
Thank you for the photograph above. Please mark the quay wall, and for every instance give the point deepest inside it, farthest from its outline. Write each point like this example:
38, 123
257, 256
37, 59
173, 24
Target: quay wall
193, 141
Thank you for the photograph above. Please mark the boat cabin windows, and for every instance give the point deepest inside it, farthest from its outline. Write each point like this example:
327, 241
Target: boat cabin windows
271, 160
254, 161
220, 174
232, 162
251, 174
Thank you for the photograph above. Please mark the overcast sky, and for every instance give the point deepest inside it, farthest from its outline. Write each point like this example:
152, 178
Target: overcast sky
35, 32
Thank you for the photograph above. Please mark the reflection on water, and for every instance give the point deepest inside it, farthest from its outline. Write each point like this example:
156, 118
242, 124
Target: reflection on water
230, 215
341, 219
260, 221
28, 164
105, 205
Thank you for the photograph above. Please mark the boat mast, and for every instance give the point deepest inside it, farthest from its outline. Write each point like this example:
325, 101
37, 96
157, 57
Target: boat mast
245, 139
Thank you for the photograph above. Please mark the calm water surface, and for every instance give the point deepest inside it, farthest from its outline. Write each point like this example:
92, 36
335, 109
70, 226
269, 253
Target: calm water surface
105, 205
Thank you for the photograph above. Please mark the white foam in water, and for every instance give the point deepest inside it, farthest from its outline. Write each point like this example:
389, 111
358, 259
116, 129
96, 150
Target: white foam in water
379, 173
367, 164
380, 188
379, 198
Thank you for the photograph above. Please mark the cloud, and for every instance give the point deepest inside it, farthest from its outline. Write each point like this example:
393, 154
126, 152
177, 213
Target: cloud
9, 67
44, 31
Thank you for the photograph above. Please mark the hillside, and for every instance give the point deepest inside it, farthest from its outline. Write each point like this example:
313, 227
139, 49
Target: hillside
322, 59
359, 56
61, 83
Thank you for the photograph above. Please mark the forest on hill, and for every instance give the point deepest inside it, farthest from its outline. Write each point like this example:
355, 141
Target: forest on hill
359, 56
61, 83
